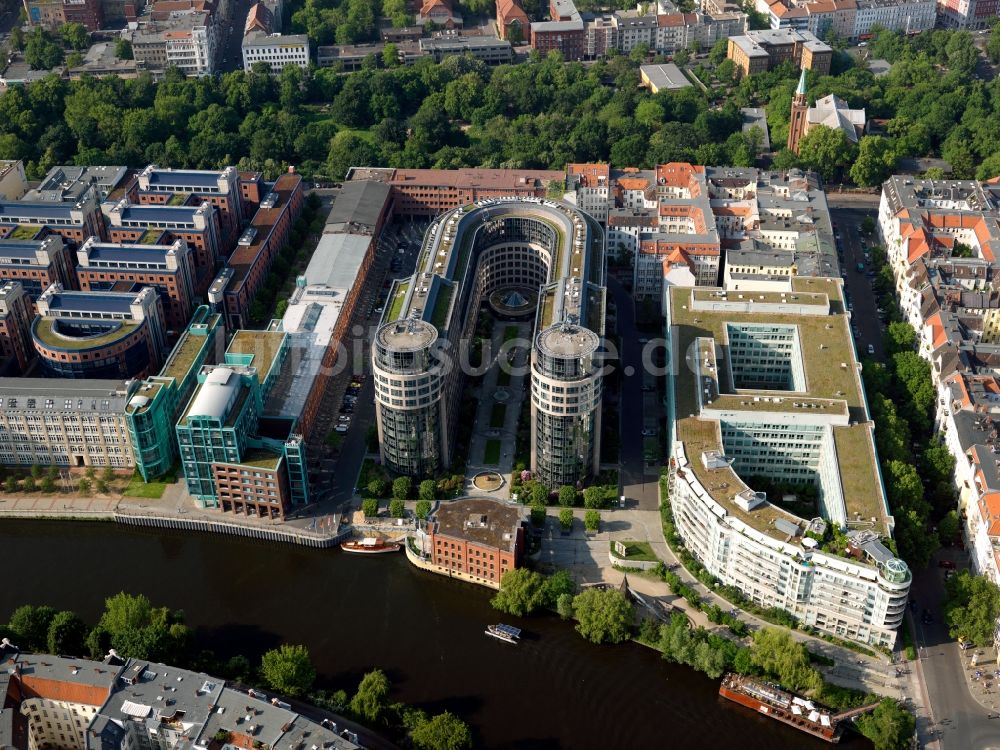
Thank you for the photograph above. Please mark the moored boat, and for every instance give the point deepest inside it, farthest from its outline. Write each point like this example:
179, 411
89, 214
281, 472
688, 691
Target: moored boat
506, 633
370, 546
791, 709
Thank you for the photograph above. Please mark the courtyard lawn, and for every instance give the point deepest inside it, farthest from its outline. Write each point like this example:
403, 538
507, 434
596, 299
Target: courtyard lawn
497, 414
491, 453
638, 551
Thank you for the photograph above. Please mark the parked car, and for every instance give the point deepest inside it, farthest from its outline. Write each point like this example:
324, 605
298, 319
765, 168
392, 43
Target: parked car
649, 432
341, 428
946, 564
871, 350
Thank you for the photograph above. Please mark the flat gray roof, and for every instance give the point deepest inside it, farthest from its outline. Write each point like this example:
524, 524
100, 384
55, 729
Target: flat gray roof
359, 202
337, 259
667, 76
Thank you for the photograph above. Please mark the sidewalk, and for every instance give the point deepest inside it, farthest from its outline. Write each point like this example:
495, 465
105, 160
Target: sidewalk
984, 688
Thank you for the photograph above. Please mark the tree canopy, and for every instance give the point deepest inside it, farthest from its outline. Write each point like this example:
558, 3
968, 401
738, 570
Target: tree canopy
603, 615
288, 669
521, 592
443, 732
972, 607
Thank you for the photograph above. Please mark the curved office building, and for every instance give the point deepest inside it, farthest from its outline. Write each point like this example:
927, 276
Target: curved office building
468, 254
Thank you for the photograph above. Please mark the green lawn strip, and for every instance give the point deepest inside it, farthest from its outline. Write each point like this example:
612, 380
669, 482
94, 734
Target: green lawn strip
497, 414
491, 453
639, 551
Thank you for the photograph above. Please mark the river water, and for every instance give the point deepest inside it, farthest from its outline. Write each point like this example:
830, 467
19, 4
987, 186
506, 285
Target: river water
554, 691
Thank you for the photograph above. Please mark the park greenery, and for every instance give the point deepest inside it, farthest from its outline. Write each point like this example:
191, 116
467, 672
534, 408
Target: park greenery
539, 114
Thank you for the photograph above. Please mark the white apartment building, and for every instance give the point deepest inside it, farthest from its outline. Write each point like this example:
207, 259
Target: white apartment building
65, 423
766, 388
188, 40
277, 50
906, 16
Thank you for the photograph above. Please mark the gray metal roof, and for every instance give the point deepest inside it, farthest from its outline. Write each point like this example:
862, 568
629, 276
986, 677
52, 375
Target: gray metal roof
66, 303
216, 394
666, 76
337, 259
359, 202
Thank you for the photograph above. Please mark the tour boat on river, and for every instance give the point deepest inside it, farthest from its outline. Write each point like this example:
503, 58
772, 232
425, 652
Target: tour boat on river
370, 546
506, 633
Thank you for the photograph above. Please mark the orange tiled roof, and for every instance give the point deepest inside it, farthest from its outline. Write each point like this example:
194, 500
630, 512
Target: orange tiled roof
633, 183
60, 690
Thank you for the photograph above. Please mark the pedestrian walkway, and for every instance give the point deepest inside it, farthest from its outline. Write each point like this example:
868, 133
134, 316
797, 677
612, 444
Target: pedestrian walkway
982, 675
493, 448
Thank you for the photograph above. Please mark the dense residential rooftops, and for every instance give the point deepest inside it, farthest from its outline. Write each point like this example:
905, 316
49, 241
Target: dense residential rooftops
68, 184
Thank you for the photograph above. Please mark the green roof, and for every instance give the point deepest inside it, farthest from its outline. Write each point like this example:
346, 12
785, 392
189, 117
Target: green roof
183, 356
260, 458
45, 333
25, 232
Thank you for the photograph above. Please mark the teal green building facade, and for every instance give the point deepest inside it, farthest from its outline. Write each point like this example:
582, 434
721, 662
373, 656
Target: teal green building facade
154, 409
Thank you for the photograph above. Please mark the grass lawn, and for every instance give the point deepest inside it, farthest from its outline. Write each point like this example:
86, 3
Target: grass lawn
497, 414
151, 490
510, 332
491, 453
639, 551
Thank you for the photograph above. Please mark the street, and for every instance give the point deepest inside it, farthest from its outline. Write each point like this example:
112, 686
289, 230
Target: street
957, 720
857, 284
951, 718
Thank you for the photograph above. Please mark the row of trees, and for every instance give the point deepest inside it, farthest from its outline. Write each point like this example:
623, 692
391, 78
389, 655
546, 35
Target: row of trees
129, 624
918, 467
47, 480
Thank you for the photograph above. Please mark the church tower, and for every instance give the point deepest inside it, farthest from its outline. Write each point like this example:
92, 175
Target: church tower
797, 121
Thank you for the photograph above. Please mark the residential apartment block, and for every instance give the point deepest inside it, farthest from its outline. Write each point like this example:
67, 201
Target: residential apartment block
98, 334
968, 14
276, 50
16, 314
37, 264
757, 51
168, 269
79, 704
772, 389
68, 423
429, 192
151, 224
192, 187
182, 33
34, 219
257, 248
942, 239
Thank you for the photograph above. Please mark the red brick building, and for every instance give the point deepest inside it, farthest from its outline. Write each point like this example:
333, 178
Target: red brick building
90, 13
568, 37
259, 246
257, 486
429, 192
37, 264
512, 21
16, 314
477, 538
